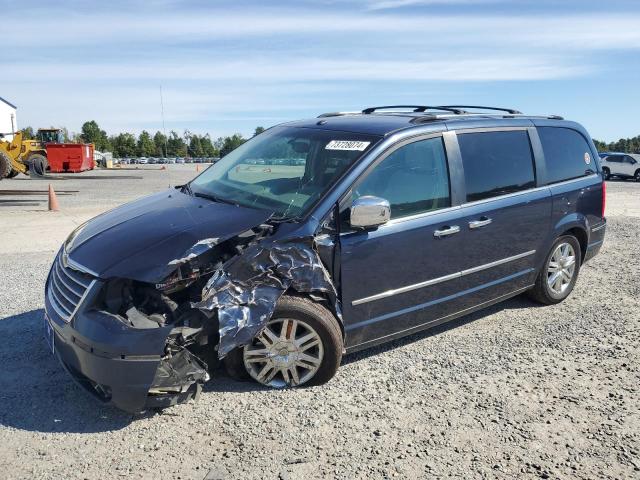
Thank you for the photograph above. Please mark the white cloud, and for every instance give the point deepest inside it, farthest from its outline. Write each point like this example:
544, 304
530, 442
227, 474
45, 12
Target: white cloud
568, 31
391, 4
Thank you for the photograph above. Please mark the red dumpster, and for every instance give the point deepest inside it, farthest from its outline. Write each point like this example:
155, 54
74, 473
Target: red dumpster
70, 157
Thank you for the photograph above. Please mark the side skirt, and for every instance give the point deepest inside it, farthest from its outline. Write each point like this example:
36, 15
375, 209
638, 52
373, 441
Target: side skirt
436, 322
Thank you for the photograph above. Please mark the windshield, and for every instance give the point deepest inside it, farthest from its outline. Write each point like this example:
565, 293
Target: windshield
284, 170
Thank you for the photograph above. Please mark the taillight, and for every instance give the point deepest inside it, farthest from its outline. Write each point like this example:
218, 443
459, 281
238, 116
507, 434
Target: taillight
604, 197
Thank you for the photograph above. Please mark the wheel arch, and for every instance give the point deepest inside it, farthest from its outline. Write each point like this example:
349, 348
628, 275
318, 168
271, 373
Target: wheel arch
582, 237
574, 224
325, 300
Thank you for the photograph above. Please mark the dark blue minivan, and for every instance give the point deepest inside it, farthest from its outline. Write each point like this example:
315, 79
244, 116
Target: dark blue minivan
321, 237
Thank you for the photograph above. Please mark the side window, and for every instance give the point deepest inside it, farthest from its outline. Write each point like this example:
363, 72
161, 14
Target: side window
566, 153
614, 158
414, 179
496, 163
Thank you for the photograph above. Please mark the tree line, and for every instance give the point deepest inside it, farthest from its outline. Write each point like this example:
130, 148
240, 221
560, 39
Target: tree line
145, 145
626, 145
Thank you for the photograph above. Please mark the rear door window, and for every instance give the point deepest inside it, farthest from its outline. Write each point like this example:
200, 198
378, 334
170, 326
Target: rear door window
496, 163
567, 154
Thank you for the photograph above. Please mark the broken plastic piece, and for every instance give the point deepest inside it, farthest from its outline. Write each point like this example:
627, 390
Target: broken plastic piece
178, 372
140, 320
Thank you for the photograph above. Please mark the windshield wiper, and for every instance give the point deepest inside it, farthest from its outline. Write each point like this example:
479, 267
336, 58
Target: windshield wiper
213, 198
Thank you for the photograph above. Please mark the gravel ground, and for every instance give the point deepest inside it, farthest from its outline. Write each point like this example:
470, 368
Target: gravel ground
515, 391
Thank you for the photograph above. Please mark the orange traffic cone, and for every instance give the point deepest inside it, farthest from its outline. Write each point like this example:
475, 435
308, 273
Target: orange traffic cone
197, 168
163, 167
53, 200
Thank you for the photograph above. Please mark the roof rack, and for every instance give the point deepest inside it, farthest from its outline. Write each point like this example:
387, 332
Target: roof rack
416, 108
336, 114
477, 107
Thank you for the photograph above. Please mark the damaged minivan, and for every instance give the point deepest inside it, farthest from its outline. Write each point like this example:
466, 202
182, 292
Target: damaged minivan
318, 238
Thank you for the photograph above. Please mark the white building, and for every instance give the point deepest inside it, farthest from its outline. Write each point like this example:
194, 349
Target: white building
8, 120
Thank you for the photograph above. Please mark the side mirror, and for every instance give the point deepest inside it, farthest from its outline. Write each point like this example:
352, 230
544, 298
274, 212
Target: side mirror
369, 211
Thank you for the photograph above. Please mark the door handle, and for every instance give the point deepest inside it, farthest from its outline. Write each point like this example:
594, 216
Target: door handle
443, 232
480, 223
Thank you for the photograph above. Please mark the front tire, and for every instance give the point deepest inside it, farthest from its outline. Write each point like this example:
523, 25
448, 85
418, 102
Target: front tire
559, 272
606, 173
636, 175
301, 345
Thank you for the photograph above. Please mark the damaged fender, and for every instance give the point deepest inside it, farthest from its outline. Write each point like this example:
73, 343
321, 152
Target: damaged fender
244, 292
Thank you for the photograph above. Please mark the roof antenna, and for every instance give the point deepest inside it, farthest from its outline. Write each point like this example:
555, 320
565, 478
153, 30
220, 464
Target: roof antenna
164, 130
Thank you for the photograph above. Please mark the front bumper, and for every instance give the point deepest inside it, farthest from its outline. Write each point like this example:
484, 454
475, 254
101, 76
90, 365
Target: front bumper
115, 363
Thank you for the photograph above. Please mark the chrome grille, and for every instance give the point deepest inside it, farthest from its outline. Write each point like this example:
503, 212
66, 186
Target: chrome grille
67, 288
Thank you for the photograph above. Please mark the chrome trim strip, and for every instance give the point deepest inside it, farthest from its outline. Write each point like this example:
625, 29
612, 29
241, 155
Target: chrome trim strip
479, 268
58, 275
80, 268
53, 303
81, 301
419, 215
444, 318
573, 180
594, 244
599, 227
433, 281
55, 291
61, 292
58, 305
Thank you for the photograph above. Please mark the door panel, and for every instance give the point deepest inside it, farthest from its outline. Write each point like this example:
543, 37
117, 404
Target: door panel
516, 236
397, 256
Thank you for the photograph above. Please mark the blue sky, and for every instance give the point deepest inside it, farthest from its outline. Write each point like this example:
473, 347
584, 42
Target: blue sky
228, 66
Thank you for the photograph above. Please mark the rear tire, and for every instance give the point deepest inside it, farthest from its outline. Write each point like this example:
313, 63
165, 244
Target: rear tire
38, 164
636, 175
5, 166
606, 173
559, 273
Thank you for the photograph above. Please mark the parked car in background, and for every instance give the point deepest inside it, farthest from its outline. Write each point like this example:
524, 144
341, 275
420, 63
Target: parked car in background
180, 160
142, 160
621, 165
399, 219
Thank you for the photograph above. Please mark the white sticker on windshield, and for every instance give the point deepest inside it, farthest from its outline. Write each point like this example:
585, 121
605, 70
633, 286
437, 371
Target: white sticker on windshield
347, 145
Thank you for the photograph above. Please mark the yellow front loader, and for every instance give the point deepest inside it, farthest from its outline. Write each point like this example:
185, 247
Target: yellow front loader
22, 156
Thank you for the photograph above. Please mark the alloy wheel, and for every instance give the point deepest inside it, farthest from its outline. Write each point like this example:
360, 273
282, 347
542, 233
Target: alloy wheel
561, 269
287, 353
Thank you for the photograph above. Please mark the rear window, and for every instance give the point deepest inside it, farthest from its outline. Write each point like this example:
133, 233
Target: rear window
567, 154
496, 163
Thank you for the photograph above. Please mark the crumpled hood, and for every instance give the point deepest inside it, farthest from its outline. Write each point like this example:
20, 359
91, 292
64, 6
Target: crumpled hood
139, 239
